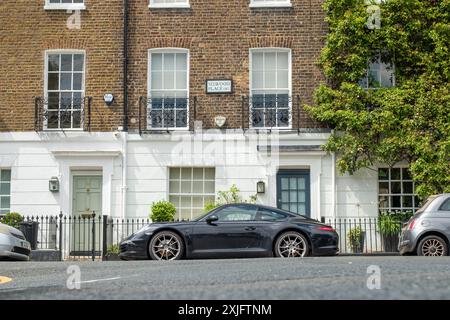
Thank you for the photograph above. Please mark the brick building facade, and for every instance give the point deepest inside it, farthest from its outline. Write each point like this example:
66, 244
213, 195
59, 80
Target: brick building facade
267, 48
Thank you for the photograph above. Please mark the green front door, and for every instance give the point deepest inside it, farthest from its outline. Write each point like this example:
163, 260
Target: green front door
87, 200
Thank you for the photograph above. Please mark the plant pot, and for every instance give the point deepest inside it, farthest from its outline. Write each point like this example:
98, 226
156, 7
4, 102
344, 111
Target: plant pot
390, 242
358, 246
112, 257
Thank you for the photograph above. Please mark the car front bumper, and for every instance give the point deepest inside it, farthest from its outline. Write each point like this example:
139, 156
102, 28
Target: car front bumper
12, 248
133, 249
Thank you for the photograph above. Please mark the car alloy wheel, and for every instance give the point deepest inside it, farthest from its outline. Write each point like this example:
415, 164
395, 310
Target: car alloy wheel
432, 246
291, 245
166, 245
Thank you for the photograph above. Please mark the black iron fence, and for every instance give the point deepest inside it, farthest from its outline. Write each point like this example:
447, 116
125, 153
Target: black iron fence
93, 236
364, 235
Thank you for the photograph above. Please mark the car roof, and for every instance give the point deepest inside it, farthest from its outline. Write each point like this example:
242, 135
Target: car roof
259, 206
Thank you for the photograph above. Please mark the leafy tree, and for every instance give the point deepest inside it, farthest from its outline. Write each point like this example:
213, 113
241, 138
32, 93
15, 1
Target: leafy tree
12, 219
228, 196
406, 123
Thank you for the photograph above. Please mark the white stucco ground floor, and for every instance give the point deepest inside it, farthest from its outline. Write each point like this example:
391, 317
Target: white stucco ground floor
120, 175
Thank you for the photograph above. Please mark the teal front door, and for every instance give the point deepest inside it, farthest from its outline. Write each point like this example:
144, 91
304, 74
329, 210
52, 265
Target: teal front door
293, 191
87, 200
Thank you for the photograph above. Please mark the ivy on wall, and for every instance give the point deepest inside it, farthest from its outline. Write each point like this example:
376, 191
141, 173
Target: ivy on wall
409, 122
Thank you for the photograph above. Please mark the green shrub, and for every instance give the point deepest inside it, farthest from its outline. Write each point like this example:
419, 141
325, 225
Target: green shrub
355, 238
228, 196
113, 249
12, 219
162, 211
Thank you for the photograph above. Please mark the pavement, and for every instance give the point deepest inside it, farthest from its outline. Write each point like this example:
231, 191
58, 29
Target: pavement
340, 277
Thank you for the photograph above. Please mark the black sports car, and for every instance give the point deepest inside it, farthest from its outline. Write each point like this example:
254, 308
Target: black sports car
233, 230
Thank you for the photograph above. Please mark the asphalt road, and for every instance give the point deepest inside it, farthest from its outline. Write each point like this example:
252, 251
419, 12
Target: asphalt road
268, 278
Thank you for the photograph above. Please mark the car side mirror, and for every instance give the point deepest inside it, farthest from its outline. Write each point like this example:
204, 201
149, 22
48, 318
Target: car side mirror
211, 219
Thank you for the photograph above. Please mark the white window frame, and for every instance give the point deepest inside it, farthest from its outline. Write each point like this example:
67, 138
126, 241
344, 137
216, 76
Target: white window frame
153, 5
149, 85
366, 76
390, 194
83, 88
270, 4
64, 6
184, 194
6, 196
272, 49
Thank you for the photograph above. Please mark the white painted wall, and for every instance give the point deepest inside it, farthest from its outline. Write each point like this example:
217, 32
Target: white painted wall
34, 158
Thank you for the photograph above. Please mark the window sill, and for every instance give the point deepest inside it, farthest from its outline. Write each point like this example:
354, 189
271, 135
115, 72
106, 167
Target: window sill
170, 6
270, 5
65, 6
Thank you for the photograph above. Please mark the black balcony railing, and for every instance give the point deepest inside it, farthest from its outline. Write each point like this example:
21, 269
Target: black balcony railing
166, 114
271, 111
62, 114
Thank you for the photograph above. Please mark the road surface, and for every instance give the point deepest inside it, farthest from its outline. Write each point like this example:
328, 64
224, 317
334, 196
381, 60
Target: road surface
341, 277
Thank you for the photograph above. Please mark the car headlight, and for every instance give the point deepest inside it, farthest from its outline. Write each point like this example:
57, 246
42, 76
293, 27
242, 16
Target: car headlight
144, 228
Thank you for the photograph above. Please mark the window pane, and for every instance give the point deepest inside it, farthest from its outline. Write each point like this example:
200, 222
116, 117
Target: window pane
156, 62
156, 80
174, 173
78, 62
408, 187
383, 188
198, 173
270, 80
66, 62
5, 175
257, 80
5, 189
181, 83
4, 202
66, 81
181, 61
237, 213
395, 174
209, 186
283, 60
77, 81
396, 187
53, 62
197, 187
257, 61
53, 81
186, 173
210, 173
174, 187
270, 61
405, 174
407, 201
169, 61
383, 174
186, 187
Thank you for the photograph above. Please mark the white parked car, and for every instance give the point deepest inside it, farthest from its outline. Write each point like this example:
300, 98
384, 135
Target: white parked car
13, 245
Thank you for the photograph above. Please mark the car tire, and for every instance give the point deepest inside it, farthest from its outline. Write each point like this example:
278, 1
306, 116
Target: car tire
291, 244
166, 245
432, 246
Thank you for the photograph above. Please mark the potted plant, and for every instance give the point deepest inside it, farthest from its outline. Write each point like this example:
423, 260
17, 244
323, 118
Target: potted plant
356, 239
390, 226
162, 211
112, 253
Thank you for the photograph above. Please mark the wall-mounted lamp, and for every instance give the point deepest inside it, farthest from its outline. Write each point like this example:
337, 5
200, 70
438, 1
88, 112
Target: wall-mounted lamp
53, 184
260, 187
109, 99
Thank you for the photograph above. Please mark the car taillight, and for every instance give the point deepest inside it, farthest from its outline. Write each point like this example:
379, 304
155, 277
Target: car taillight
329, 229
411, 224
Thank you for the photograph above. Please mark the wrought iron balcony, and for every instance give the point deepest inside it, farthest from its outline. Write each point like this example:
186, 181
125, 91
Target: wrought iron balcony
270, 111
165, 114
59, 114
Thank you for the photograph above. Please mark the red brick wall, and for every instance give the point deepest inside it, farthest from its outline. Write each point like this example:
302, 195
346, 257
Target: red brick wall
219, 35
27, 30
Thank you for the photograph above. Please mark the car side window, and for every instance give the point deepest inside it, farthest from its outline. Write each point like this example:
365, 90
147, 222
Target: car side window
445, 206
269, 215
237, 213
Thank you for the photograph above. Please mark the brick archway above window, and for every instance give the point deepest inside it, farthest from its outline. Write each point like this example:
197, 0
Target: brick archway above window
170, 42
271, 42
65, 44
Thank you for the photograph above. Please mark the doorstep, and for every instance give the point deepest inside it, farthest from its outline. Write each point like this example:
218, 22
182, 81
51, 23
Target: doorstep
45, 255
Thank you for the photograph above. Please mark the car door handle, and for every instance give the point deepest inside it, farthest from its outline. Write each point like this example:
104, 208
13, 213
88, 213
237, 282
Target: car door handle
249, 228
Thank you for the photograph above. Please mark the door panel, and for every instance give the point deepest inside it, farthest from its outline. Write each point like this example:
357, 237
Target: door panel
87, 199
293, 191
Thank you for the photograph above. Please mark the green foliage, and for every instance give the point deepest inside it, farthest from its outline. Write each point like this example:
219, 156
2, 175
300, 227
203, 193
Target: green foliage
162, 211
355, 239
390, 223
407, 123
228, 196
113, 249
12, 219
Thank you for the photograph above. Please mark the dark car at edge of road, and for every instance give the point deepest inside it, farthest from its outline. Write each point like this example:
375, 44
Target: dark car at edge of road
233, 230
